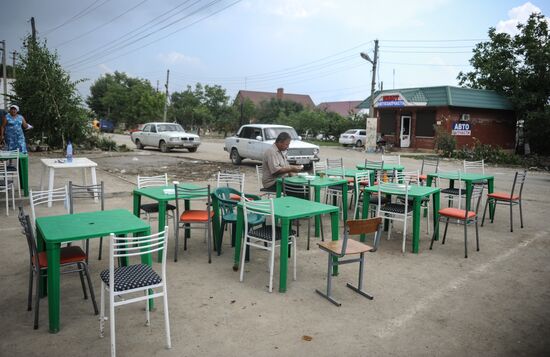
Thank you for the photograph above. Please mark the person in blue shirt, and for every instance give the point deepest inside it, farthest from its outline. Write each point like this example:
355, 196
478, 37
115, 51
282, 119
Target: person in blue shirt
11, 131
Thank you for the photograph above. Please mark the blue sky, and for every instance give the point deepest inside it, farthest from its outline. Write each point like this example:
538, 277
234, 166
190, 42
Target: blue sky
304, 46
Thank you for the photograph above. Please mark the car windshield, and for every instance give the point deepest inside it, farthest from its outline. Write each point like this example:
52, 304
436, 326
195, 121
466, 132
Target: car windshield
351, 131
272, 133
169, 127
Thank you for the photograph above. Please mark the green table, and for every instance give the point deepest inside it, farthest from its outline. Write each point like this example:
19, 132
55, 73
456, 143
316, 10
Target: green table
469, 179
317, 183
23, 160
287, 209
386, 167
51, 231
416, 193
158, 194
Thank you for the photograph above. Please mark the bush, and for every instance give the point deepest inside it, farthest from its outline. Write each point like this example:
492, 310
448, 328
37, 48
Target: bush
445, 142
491, 154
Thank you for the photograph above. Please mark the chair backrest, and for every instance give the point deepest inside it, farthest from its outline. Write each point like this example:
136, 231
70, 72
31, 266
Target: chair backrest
376, 166
38, 198
519, 179
79, 192
3, 175
318, 167
477, 194
26, 224
430, 164
362, 179
362, 226
474, 166
262, 208
396, 189
336, 167
442, 175
392, 159
259, 174
226, 204
201, 193
296, 190
9, 154
127, 247
235, 180
408, 177
152, 181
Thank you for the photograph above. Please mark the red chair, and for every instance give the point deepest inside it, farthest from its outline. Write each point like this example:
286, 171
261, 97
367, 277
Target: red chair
461, 216
511, 199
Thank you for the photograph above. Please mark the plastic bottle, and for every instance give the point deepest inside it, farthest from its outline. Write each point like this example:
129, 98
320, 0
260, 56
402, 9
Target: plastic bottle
69, 152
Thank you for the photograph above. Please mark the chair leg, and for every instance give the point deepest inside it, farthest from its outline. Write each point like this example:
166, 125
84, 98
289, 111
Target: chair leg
100, 248
485, 211
477, 236
167, 318
445, 231
436, 230
465, 239
295, 246
218, 246
81, 274
404, 235
209, 241
520, 214
36, 298
243, 254
328, 296
29, 300
112, 323
90, 287
102, 311
511, 218
147, 312
176, 244
359, 288
271, 266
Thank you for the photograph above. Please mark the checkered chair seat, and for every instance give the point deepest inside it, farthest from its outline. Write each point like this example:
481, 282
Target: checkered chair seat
11, 168
132, 277
154, 207
395, 208
264, 233
452, 191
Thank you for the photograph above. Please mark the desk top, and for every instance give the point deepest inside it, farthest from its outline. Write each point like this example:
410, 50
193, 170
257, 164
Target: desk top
61, 163
316, 182
386, 167
165, 193
295, 208
464, 176
413, 191
71, 227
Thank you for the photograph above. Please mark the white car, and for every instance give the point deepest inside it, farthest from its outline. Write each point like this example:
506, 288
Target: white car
165, 136
356, 137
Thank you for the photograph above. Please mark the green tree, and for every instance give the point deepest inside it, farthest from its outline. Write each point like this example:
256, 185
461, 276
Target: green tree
124, 99
268, 111
519, 68
48, 98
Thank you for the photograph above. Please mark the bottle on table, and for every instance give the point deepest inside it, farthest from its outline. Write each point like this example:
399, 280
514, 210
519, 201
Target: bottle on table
69, 152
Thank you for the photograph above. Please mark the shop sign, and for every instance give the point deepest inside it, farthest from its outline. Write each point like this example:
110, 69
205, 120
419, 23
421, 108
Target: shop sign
390, 101
461, 129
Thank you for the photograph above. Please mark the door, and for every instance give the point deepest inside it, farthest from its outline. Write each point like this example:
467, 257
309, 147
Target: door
405, 137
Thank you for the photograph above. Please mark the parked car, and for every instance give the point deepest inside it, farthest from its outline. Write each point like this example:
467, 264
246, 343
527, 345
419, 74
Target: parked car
165, 136
355, 137
252, 140
106, 126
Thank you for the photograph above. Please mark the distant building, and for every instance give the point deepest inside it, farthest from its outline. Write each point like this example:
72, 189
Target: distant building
258, 97
344, 108
408, 117
10, 91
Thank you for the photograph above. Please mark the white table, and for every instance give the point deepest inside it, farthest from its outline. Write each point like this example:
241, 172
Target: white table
77, 163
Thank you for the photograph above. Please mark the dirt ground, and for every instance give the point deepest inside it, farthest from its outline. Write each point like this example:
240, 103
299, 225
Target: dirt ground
435, 303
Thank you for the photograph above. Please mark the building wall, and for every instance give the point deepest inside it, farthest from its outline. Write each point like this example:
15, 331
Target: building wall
493, 127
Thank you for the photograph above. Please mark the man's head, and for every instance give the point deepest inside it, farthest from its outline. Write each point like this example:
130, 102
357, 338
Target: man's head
283, 141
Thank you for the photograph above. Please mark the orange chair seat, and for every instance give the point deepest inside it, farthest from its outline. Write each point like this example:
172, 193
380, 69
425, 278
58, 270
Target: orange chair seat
422, 177
234, 197
351, 180
195, 216
503, 196
70, 254
456, 213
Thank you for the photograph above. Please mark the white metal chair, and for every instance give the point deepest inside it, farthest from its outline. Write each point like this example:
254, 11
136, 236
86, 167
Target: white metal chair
233, 180
131, 279
395, 211
391, 159
6, 185
13, 170
302, 191
474, 166
319, 167
39, 198
429, 165
259, 175
334, 193
414, 178
267, 237
451, 193
362, 180
153, 207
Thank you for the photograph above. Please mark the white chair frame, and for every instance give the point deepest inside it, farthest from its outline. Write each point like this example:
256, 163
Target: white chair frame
233, 180
127, 247
385, 211
6, 184
155, 181
13, 174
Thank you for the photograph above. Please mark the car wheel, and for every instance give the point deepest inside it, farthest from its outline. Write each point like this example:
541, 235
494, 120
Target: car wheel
163, 147
235, 157
139, 145
192, 149
359, 143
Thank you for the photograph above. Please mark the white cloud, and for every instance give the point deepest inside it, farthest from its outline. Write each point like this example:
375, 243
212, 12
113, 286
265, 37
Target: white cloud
173, 58
105, 69
516, 16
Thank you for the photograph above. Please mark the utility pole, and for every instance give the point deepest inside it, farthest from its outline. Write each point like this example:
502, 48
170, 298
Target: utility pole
4, 74
166, 100
373, 82
13, 64
33, 29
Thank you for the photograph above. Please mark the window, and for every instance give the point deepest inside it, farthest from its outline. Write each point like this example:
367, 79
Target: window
425, 121
169, 127
246, 132
272, 133
256, 132
363, 132
147, 128
387, 122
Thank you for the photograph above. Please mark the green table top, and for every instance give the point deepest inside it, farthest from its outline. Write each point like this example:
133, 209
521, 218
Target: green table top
157, 192
70, 227
316, 182
414, 190
464, 176
347, 172
386, 167
295, 208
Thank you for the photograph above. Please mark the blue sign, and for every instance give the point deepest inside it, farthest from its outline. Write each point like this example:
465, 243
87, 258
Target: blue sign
461, 129
391, 103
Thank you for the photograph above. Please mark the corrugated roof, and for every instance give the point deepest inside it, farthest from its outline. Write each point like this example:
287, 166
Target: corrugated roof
344, 108
257, 97
449, 96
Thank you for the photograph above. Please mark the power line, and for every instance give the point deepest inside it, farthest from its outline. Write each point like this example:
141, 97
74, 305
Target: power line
442, 52
102, 25
426, 64
77, 16
448, 40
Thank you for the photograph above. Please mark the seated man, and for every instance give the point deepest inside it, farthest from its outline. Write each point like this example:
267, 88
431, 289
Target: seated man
275, 163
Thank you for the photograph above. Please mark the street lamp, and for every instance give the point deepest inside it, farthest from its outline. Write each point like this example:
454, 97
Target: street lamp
366, 57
